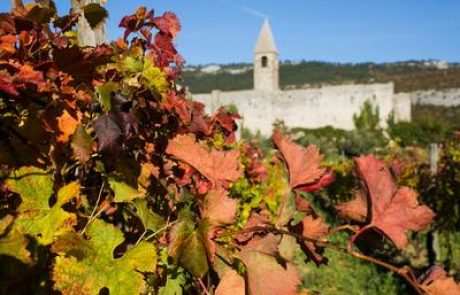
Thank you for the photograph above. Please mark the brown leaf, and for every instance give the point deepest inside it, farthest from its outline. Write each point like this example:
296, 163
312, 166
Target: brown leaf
81, 144
231, 284
436, 282
214, 165
303, 163
264, 274
390, 210
255, 219
314, 228
218, 207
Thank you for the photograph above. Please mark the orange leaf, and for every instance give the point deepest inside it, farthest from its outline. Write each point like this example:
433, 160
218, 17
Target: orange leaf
303, 164
314, 228
218, 207
436, 282
231, 284
393, 211
7, 44
265, 275
67, 125
212, 164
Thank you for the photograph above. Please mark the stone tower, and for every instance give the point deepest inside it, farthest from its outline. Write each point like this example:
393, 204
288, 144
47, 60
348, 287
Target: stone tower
266, 76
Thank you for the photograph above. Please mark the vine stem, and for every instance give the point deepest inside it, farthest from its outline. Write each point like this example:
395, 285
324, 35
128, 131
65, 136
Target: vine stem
161, 230
93, 216
403, 272
203, 286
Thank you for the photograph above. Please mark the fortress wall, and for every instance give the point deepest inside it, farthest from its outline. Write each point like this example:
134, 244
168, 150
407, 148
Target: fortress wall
311, 108
447, 97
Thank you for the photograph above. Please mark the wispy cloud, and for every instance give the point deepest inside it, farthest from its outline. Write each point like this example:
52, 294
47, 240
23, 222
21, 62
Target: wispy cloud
248, 10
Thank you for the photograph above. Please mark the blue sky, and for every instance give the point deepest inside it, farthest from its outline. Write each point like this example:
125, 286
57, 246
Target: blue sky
225, 31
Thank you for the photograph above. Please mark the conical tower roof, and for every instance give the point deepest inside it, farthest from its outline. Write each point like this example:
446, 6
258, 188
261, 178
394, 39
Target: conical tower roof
266, 42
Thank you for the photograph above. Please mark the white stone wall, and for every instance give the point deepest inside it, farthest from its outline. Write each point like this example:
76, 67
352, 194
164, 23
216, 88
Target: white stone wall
314, 107
447, 97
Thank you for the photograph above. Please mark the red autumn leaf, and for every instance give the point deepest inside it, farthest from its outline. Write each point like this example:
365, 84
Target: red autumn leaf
165, 51
303, 164
7, 44
231, 284
436, 282
180, 105
301, 204
198, 123
265, 275
212, 164
314, 228
218, 207
168, 23
255, 219
393, 211
6, 85
29, 75
226, 119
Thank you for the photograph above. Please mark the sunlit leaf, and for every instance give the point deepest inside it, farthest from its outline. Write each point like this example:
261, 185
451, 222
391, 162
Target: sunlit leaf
80, 271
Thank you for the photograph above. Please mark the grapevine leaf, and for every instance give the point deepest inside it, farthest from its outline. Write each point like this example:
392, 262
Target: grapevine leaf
314, 228
95, 14
436, 282
36, 217
7, 44
109, 133
105, 92
264, 273
67, 125
391, 210
218, 207
154, 78
303, 164
87, 266
81, 143
12, 242
231, 284
214, 165
149, 219
187, 246
124, 192
6, 85
168, 23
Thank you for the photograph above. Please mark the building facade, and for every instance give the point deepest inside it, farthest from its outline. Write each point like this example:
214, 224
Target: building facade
307, 107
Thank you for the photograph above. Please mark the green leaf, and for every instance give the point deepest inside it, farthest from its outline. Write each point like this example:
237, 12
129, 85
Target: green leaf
187, 247
95, 14
175, 282
154, 78
12, 242
34, 185
132, 65
36, 218
150, 219
123, 192
87, 271
105, 92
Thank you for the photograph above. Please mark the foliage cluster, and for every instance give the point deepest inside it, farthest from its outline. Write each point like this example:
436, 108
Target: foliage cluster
113, 182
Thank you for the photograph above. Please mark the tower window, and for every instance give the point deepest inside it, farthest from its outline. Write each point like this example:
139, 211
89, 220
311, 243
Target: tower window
264, 61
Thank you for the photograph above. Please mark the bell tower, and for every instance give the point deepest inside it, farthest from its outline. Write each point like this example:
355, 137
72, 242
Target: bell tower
266, 66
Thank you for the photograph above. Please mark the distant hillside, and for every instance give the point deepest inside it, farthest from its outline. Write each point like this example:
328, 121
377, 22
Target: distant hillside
407, 76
